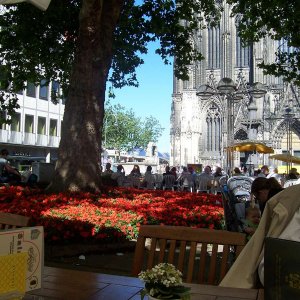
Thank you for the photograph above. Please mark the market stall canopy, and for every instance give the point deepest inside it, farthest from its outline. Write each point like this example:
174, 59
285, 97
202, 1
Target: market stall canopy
286, 157
251, 146
41, 4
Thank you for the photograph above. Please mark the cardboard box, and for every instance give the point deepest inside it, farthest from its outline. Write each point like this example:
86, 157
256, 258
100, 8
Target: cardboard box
28, 240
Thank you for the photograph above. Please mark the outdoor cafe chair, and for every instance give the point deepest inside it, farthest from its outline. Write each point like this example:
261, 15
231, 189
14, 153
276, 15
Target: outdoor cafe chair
202, 255
203, 183
149, 184
168, 182
187, 183
136, 181
10, 221
158, 181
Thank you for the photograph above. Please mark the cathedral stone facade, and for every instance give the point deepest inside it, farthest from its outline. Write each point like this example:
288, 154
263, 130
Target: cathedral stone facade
200, 129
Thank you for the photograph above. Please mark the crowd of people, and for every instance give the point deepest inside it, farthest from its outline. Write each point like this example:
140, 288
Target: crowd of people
186, 178
272, 210
174, 178
120, 179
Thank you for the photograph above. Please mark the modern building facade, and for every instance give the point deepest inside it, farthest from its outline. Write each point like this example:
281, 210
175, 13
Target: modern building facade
35, 129
200, 121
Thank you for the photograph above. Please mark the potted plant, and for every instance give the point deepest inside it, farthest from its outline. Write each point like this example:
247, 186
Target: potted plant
164, 281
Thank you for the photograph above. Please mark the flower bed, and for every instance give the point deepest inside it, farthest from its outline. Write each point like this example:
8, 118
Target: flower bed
114, 214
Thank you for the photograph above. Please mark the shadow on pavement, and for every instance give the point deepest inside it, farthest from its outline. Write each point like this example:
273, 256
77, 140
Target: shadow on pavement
109, 260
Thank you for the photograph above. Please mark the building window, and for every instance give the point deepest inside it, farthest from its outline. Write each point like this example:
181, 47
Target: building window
61, 125
242, 54
55, 92
214, 128
15, 122
241, 135
214, 53
5, 79
41, 125
44, 89
297, 153
3, 118
53, 127
30, 90
283, 47
29, 123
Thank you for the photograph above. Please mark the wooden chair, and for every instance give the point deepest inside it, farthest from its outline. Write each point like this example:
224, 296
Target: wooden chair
169, 182
202, 255
10, 221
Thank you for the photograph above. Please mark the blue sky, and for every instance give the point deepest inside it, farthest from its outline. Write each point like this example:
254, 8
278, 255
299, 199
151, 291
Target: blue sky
153, 97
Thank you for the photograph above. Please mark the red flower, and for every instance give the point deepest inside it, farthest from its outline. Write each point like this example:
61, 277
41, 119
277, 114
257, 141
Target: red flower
113, 214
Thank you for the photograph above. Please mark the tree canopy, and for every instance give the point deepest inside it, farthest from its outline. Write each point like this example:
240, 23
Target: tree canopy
123, 130
78, 42
48, 51
279, 20
37, 45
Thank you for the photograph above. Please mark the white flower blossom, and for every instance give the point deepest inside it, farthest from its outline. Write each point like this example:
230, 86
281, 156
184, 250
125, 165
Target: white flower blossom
163, 276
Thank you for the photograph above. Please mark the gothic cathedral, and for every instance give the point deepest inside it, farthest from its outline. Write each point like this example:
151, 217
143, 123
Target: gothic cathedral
200, 121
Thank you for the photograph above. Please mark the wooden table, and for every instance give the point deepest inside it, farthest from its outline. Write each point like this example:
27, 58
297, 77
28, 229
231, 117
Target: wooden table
79, 285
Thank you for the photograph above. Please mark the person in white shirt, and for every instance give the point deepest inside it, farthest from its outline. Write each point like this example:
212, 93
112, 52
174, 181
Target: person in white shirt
281, 218
274, 173
204, 181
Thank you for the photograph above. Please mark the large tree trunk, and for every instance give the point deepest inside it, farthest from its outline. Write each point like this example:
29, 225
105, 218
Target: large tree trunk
78, 165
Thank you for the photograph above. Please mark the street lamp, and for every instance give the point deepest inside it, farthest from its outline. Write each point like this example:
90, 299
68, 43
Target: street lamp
289, 119
227, 88
231, 93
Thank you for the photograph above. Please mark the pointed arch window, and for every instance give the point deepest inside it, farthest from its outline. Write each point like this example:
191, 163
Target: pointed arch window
214, 128
214, 51
241, 135
282, 46
242, 51
242, 54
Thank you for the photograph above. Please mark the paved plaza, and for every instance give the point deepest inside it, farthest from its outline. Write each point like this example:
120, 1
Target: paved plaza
110, 260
